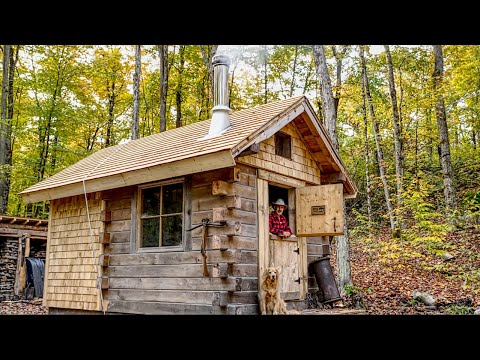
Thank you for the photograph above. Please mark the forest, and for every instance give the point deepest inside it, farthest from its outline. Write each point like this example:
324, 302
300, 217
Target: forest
405, 120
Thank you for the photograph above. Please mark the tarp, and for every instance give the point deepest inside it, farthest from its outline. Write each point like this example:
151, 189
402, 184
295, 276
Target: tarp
35, 274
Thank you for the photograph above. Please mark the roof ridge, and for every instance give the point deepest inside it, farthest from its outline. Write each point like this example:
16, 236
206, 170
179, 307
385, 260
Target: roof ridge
233, 112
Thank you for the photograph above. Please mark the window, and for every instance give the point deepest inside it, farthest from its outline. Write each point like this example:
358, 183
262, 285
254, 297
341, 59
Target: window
283, 145
161, 216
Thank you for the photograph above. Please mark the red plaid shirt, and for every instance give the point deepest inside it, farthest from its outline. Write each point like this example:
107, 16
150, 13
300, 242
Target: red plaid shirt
278, 223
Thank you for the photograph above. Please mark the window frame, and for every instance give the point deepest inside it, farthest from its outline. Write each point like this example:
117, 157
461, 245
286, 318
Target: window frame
284, 137
138, 217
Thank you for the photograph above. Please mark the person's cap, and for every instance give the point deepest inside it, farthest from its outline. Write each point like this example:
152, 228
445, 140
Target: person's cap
280, 202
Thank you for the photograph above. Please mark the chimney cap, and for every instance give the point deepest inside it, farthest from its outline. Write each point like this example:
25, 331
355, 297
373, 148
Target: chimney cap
221, 60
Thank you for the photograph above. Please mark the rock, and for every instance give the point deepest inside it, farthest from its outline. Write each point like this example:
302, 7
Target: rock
424, 297
477, 312
432, 307
447, 256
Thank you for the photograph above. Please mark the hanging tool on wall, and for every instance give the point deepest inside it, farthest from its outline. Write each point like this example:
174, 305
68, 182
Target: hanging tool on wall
203, 249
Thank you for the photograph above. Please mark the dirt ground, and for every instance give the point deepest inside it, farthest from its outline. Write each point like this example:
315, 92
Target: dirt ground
22, 307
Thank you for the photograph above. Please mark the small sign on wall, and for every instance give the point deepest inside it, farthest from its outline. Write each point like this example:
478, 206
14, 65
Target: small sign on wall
318, 210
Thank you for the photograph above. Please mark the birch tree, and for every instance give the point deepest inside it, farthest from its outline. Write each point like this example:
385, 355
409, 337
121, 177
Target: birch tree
343, 251
445, 159
208, 52
367, 156
294, 70
396, 134
164, 71
4, 130
136, 90
179, 90
339, 63
376, 134
326, 93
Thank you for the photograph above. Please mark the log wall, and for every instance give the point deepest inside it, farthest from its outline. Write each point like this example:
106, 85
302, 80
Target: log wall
169, 282
172, 282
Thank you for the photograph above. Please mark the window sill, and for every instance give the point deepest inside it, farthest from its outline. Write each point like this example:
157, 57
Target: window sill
160, 249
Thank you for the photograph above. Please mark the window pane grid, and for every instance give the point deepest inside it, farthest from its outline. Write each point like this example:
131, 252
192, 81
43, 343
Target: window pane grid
159, 203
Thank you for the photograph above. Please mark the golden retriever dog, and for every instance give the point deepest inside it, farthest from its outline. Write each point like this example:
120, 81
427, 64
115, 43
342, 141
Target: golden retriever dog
270, 300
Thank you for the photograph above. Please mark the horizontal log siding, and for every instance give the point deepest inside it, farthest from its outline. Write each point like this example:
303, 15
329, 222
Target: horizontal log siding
172, 282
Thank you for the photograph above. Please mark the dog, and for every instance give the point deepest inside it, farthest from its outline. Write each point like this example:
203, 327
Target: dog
270, 300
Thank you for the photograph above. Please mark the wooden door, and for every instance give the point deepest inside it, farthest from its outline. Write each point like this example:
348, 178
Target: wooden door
319, 210
287, 254
290, 255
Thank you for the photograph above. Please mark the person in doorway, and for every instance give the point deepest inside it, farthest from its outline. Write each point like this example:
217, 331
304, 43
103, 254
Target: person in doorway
277, 221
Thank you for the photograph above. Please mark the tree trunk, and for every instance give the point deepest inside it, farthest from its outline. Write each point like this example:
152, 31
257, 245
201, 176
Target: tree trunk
11, 76
164, 70
4, 139
53, 162
376, 133
307, 78
445, 159
265, 72
111, 113
343, 252
417, 178
208, 52
136, 90
292, 84
178, 92
230, 87
45, 128
326, 93
9, 142
396, 134
367, 156
339, 63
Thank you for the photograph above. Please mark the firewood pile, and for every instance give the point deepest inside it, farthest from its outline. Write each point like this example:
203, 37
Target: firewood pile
8, 266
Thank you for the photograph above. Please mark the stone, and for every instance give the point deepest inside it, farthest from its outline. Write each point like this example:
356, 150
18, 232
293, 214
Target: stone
424, 297
446, 256
477, 312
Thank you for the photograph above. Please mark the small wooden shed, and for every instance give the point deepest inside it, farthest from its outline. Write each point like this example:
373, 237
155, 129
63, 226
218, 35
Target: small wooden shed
20, 238
177, 222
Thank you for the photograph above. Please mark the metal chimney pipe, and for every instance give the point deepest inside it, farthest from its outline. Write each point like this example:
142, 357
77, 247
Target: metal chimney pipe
221, 110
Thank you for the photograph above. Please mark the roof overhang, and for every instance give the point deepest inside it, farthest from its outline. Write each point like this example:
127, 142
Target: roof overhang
211, 161
304, 109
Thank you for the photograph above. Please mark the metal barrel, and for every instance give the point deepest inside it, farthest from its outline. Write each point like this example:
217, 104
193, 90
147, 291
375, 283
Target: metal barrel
325, 279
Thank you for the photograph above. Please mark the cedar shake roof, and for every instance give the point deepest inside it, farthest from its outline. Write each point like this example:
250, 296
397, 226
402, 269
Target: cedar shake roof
133, 162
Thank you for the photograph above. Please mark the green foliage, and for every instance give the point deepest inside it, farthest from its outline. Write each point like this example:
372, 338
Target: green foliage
70, 98
459, 310
362, 225
349, 289
426, 223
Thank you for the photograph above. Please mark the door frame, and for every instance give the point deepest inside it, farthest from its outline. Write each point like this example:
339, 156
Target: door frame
264, 179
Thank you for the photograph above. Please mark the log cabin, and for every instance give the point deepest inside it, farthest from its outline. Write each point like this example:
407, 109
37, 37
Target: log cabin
177, 222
